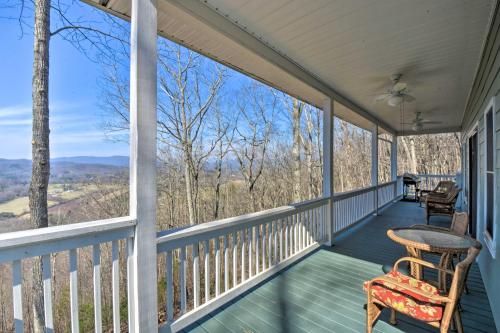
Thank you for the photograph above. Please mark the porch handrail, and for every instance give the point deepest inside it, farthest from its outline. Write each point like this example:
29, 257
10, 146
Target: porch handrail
429, 181
352, 193
172, 238
70, 240
37, 242
353, 206
433, 175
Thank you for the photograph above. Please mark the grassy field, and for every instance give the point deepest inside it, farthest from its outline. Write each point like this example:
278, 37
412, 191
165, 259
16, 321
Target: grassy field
19, 206
58, 193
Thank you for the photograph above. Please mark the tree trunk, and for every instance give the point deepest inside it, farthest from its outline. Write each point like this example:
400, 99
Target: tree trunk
296, 114
309, 151
40, 147
188, 174
410, 154
217, 187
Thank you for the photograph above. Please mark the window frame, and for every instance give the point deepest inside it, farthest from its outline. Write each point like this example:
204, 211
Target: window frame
489, 238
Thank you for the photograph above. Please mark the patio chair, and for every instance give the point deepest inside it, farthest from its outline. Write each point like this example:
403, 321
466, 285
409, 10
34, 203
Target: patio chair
459, 225
438, 204
442, 188
418, 299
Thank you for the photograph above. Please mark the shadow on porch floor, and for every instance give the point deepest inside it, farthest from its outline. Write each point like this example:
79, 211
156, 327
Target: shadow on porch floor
323, 292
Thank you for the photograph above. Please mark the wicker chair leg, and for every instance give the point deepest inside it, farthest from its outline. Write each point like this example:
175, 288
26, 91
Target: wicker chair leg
393, 320
457, 319
372, 313
466, 288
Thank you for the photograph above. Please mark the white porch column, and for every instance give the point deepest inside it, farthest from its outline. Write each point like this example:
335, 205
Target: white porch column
394, 158
394, 163
328, 165
142, 300
375, 165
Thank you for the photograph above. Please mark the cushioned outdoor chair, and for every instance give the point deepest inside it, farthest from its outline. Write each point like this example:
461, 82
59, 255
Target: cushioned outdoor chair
442, 188
418, 299
437, 204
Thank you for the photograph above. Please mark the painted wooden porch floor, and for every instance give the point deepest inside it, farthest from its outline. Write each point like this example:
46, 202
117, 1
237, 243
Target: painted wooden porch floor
323, 292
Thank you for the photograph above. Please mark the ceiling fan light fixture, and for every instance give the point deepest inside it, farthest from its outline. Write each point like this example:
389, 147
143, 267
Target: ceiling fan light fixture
418, 127
395, 100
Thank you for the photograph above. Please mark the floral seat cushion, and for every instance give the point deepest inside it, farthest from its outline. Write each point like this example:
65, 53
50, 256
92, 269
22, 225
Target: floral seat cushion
406, 301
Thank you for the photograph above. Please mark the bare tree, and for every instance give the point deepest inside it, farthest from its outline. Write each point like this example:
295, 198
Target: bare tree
81, 36
253, 133
221, 131
188, 89
408, 144
297, 107
312, 151
40, 147
429, 154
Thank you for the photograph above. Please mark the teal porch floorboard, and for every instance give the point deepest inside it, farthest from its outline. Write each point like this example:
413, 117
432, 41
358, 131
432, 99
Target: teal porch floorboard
323, 291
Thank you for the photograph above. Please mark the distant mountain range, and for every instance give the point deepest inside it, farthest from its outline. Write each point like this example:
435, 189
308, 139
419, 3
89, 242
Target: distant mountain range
117, 161
65, 169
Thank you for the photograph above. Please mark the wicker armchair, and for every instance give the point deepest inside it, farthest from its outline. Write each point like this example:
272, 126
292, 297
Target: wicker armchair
442, 188
418, 299
459, 224
437, 204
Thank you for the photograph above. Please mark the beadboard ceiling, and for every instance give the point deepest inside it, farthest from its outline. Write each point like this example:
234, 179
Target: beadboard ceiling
349, 47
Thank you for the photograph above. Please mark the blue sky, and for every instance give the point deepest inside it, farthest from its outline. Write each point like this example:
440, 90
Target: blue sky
76, 119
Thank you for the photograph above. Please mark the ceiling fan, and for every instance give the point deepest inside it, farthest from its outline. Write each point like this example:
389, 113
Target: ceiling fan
397, 94
419, 122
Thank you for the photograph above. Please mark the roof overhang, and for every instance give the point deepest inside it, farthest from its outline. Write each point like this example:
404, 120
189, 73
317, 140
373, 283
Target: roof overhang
342, 49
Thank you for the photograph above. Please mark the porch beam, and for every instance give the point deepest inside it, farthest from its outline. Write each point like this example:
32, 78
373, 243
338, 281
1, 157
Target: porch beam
394, 158
374, 164
142, 300
328, 190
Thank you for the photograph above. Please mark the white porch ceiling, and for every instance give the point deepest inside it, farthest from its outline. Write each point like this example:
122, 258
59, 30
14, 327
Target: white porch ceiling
344, 47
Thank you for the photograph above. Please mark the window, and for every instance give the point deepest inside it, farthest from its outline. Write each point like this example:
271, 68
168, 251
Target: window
490, 178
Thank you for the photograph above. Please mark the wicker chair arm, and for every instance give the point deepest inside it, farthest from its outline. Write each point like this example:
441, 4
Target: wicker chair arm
423, 263
429, 227
430, 199
386, 279
434, 193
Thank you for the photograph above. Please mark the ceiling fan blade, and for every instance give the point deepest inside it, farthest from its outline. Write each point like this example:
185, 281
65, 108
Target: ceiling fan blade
409, 98
400, 86
382, 97
430, 122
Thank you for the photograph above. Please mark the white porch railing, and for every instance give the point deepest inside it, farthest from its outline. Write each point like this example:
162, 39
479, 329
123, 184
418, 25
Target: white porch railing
18, 247
351, 207
429, 182
208, 264
201, 266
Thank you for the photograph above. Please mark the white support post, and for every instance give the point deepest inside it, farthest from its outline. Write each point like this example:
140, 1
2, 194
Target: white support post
143, 301
394, 163
328, 167
375, 165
